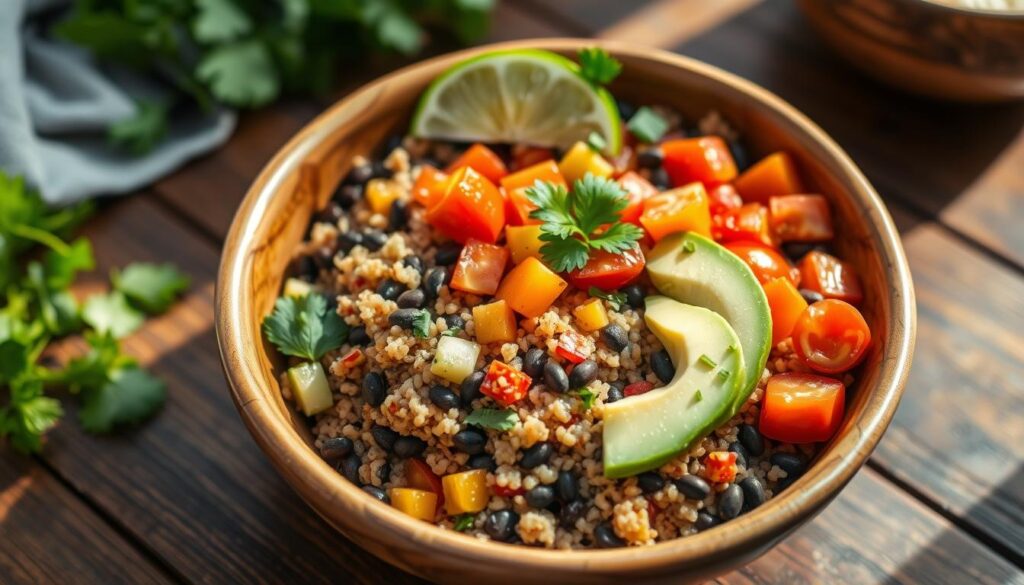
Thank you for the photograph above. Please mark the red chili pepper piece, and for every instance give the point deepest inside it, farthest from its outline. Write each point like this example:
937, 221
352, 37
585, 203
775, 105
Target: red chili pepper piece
573, 347
637, 388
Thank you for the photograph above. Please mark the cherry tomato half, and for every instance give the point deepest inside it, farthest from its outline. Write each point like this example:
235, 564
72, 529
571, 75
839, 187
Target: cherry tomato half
766, 263
608, 271
479, 268
831, 336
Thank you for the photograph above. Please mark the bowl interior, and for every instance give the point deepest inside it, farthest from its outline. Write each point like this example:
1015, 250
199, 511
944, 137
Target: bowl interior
302, 177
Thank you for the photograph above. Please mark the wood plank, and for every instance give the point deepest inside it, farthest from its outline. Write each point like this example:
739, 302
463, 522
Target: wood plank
584, 17
50, 536
191, 484
669, 22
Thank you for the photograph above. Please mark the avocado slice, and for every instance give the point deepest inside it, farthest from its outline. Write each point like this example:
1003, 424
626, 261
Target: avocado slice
643, 432
693, 269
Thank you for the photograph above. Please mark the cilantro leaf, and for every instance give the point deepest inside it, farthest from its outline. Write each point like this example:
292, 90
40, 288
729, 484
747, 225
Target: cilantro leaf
140, 132
597, 66
618, 238
57, 309
151, 287
13, 359
28, 415
617, 300
219, 21
464, 522
588, 397
240, 74
453, 332
304, 327
421, 324
553, 208
493, 418
131, 395
92, 370
564, 255
597, 201
111, 313
61, 268
647, 125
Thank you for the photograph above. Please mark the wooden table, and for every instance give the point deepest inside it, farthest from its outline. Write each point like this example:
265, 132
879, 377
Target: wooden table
190, 498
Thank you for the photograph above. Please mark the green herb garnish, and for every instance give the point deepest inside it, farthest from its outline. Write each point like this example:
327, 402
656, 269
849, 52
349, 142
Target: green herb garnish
615, 299
572, 221
493, 418
588, 397
454, 331
596, 142
304, 327
112, 313
421, 324
689, 247
647, 125
464, 522
597, 66
698, 396
723, 374
151, 287
704, 359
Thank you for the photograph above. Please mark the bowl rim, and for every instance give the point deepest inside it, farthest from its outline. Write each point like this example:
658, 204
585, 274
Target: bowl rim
324, 489
1013, 14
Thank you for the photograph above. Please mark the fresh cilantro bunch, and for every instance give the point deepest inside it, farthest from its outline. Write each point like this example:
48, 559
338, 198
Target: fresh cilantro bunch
578, 221
245, 53
37, 267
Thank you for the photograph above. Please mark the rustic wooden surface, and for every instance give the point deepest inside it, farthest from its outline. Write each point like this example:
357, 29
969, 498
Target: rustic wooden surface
189, 497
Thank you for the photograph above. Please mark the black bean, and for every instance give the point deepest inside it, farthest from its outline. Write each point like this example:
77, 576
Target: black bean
605, 537
447, 253
615, 337
470, 388
555, 378
649, 158
335, 448
378, 493
482, 461
739, 155
454, 321
384, 437
414, 261
405, 318
357, 336
501, 525
471, 441
324, 257
662, 366
308, 270
375, 388
411, 299
797, 250
789, 463
406, 447
433, 281
348, 195
784, 483
626, 109
374, 240
583, 373
693, 487
359, 175
541, 496
660, 179
741, 454
389, 289
752, 440
570, 513
536, 455
634, 295
811, 296
533, 362
384, 472
753, 492
330, 214
349, 240
443, 398
567, 486
350, 468
730, 502
398, 216
705, 521
380, 171
650, 482
615, 393
393, 142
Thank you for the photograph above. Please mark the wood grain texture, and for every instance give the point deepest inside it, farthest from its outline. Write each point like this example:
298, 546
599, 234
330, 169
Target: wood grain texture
668, 22
50, 536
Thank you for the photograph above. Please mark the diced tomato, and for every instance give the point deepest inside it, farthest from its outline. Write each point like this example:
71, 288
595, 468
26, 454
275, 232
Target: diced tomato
482, 160
421, 477
573, 347
786, 305
353, 358
429, 186
800, 218
831, 336
723, 199
637, 388
749, 223
479, 268
706, 159
638, 189
767, 263
507, 492
830, 276
505, 384
802, 408
720, 466
471, 208
516, 184
681, 209
773, 175
608, 270
527, 156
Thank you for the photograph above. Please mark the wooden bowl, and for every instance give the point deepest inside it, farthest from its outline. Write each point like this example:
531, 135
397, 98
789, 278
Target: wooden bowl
927, 47
301, 178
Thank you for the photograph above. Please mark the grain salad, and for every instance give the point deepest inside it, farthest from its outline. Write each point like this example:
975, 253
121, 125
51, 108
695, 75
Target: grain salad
510, 337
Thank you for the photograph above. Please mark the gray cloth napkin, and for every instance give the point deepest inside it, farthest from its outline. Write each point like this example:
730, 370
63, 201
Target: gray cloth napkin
56, 104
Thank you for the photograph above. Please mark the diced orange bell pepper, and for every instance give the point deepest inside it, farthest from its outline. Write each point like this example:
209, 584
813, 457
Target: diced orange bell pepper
421, 505
802, 408
746, 224
773, 175
720, 466
505, 384
429, 186
471, 208
830, 276
638, 189
482, 160
681, 209
381, 193
523, 241
466, 492
479, 268
706, 159
516, 184
530, 288
786, 305
800, 218
494, 323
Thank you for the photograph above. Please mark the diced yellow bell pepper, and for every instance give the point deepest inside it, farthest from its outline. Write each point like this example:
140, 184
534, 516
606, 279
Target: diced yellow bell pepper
293, 287
530, 288
580, 160
465, 492
591, 315
494, 322
419, 504
381, 193
454, 358
523, 241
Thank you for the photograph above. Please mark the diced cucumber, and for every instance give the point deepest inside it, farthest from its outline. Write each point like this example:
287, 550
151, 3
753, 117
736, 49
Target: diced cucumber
310, 388
455, 359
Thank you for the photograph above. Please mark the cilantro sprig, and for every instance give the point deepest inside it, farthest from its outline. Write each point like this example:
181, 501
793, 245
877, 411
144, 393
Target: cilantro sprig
493, 418
597, 66
617, 300
577, 222
304, 327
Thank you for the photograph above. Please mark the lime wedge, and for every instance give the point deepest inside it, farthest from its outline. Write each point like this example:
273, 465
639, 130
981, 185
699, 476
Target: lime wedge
519, 96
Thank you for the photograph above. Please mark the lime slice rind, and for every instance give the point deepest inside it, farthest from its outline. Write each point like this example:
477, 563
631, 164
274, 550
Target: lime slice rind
518, 96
